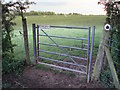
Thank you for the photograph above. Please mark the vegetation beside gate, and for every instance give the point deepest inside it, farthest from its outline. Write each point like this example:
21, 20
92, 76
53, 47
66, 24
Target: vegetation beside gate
109, 48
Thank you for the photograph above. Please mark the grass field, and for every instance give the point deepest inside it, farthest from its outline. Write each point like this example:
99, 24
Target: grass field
74, 20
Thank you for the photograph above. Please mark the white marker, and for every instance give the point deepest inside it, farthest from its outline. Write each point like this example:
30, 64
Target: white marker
107, 27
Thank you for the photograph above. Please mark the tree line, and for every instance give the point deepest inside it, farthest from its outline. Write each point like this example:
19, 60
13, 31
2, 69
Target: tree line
45, 13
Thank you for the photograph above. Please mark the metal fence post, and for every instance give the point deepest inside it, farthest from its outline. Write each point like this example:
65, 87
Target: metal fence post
88, 47
37, 42
34, 43
91, 51
0, 46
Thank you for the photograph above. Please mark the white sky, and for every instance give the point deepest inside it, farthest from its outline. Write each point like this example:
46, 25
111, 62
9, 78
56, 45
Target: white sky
67, 6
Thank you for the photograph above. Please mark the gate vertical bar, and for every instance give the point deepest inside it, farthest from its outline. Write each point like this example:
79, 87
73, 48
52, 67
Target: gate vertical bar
34, 43
37, 42
88, 48
91, 52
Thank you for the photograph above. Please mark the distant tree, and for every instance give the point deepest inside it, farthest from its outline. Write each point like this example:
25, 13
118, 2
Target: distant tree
39, 13
75, 14
60, 14
33, 13
70, 14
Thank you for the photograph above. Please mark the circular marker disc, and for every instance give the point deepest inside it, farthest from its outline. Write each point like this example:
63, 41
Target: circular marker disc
107, 27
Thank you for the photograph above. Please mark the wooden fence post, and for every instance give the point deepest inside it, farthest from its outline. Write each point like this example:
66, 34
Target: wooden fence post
26, 45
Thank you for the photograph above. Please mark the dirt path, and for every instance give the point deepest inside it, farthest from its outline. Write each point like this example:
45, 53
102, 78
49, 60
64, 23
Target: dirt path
38, 78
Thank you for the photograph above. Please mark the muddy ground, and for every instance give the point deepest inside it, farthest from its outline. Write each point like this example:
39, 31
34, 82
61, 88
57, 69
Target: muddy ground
33, 77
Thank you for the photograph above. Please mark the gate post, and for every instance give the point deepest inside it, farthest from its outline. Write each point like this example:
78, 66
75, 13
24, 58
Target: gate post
34, 43
24, 22
91, 52
88, 51
37, 42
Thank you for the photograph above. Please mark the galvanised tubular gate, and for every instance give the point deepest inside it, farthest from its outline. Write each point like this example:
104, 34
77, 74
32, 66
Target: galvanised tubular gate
62, 47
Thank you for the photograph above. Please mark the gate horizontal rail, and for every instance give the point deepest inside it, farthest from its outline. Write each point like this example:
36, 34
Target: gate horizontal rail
70, 27
62, 62
55, 53
63, 46
65, 37
63, 68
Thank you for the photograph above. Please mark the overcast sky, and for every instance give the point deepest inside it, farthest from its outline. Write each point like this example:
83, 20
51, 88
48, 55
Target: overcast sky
67, 6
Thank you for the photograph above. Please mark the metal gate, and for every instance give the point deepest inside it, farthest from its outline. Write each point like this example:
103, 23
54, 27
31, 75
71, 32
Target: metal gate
75, 63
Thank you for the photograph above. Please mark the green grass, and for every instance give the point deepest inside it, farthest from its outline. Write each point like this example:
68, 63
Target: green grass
74, 20
43, 67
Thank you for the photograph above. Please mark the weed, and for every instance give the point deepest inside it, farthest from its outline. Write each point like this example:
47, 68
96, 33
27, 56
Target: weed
70, 74
10, 64
106, 78
56, 71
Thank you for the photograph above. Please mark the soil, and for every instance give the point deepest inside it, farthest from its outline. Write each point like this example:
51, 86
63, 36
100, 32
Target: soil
39, 78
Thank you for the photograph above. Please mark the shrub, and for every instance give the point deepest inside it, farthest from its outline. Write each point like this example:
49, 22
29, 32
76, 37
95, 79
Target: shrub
10, 64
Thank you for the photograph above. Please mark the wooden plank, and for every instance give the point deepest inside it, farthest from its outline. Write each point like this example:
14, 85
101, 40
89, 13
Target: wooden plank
112, 68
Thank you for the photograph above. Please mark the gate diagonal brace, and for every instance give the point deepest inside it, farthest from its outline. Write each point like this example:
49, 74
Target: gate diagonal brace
58, 46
